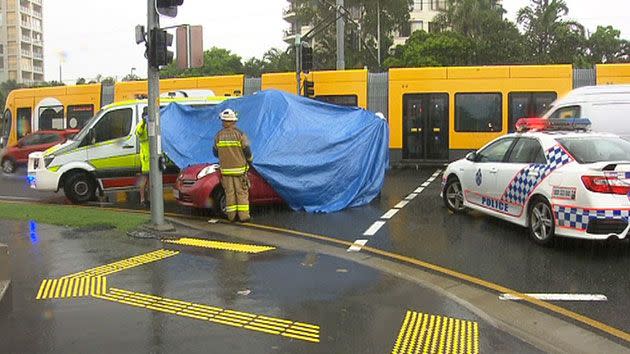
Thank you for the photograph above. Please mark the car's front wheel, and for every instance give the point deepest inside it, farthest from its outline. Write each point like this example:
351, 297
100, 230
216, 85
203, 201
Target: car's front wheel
542, 226
454, 196
219, 205
79, 188
8, 165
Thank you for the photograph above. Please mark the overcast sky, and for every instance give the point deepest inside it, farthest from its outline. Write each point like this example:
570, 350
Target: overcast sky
97, 37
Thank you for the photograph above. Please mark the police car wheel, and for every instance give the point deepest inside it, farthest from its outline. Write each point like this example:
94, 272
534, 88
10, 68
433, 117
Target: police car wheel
541, 223
220, 202
454, 196
8, 165
79, 188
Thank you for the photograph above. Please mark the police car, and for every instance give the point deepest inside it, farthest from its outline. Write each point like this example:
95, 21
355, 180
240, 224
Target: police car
554, 177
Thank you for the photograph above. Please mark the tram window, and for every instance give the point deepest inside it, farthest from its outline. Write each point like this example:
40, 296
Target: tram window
528, 104
478, 112
567, 112
342, 100
51, 117
113, 125
23, 122
79, 115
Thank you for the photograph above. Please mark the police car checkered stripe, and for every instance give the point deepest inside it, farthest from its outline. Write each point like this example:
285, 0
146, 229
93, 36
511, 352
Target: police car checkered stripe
528, 178
578, 218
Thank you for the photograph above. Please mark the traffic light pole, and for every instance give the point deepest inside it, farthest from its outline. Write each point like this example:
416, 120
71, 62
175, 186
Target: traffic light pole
155, 175
298, 64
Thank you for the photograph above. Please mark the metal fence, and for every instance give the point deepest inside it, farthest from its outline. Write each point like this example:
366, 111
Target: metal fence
378, 92
252, 85
584, 77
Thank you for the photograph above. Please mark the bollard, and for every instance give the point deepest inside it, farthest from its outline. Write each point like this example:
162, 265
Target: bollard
5, 280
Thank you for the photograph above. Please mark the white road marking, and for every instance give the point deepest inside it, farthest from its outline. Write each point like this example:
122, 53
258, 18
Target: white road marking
357, 245
374, 228
558, 297
16, 198
401, 205
389, 214
213, 221
411, 196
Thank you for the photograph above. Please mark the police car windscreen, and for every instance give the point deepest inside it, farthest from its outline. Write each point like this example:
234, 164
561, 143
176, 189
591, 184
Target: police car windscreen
597, 149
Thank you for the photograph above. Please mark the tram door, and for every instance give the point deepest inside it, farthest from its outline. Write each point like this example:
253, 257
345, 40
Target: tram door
425, 126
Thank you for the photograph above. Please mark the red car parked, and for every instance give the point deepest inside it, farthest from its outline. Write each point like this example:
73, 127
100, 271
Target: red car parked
199, 186
38, 141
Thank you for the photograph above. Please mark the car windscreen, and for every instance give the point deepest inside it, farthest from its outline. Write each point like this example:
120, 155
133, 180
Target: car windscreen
592, 149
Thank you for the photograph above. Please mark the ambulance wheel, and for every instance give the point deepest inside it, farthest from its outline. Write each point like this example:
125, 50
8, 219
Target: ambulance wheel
79, 188
542, 227
8, 165
219, 205
453, 196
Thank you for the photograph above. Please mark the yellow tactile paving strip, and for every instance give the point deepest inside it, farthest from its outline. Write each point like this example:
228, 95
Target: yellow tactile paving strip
270, 325
226, 246
71, 287
423, 333
125, 264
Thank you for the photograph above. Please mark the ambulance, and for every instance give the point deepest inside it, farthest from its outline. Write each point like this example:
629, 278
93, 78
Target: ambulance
104, 155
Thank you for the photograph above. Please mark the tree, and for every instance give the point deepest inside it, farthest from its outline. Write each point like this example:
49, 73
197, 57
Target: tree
253, 67
606, 46
550, 38
80, 81
5, 88
422, 49
131, 77
217, 61
468, 17
275, 61
493, 39
361, 43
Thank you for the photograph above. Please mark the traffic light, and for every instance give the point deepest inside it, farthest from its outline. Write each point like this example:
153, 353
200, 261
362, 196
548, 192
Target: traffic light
309, 88
307, 57
158, 53
168, 7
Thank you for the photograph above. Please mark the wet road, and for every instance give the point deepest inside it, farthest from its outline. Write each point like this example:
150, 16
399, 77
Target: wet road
474, 244
348, 308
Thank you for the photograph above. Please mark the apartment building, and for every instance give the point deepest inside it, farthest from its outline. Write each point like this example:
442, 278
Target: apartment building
21, 41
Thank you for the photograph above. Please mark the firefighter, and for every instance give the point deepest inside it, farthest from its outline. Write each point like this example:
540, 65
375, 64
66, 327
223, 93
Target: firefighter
234, 152
143, 139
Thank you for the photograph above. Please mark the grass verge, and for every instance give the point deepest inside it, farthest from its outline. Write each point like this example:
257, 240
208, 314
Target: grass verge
71, 216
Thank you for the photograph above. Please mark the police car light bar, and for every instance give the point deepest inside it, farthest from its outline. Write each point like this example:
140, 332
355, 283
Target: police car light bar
545, 124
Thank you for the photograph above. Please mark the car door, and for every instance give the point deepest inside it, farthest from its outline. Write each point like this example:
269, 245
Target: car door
112, 150
481, 174
519, 175
25, 146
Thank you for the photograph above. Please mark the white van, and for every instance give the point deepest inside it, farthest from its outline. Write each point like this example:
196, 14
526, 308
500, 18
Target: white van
608, 108
104, 155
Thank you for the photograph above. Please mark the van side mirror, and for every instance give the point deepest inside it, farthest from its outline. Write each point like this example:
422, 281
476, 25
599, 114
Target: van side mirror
471, 156
2, 142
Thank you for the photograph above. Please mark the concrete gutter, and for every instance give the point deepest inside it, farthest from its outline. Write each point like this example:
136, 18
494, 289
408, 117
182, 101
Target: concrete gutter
543, 330
5, 280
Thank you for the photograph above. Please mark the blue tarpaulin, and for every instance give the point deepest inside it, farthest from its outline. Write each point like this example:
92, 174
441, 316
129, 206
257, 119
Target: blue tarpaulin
318, 157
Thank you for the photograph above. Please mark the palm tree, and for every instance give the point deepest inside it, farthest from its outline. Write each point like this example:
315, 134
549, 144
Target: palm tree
545, 28
467, 16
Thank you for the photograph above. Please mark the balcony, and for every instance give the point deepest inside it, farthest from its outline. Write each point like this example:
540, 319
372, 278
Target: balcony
288, 14
38, 69
289, 36
38, 42
26, 24
26, 38
37, 14
25, 10
26, 53
39, 2
38, 55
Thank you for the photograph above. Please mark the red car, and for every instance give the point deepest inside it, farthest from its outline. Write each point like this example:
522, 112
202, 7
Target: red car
38, 141
199, 186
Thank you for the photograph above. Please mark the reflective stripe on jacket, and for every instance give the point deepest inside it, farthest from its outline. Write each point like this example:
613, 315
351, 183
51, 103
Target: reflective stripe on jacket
233, 149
